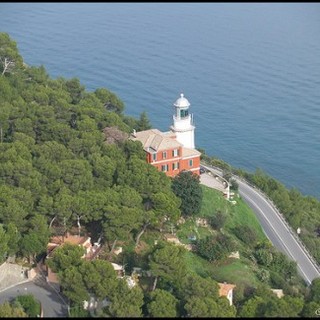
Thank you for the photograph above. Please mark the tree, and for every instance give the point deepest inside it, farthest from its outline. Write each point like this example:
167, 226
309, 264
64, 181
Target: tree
9, 55
15, 204
73, 285
39, 225
315, 290
218, 220
163, 304
103, 169
310, 309
77, 174
65, 257
264, 257
31, 245
30, 305
246, 234
4, 244
234, 185
167, 262
143, 123
205, 307
13, 239
283, 307
281, 264
225, 310
110, 100
250, 308
263, 275
120, 222
195, 286
143, 177
126, 302
215, 247
186, 186
75, 90
8, 311
99, 278
164, 208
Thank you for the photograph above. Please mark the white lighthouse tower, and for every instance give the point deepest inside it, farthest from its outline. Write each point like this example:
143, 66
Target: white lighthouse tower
183, 123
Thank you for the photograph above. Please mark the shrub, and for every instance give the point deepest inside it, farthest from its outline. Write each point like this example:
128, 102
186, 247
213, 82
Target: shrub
246, 234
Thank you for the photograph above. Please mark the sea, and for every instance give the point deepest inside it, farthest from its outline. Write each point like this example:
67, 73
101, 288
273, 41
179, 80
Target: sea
251, 71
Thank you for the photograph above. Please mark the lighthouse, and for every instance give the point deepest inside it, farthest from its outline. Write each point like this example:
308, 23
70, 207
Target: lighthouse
183, 122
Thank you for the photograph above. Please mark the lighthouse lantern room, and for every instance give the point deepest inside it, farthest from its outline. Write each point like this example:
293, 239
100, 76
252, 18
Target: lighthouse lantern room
183, 123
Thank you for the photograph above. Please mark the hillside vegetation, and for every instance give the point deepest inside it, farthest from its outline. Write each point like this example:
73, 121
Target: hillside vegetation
66, 164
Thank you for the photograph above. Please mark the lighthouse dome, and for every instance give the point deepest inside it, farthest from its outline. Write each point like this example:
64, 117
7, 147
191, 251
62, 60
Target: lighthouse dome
182, 102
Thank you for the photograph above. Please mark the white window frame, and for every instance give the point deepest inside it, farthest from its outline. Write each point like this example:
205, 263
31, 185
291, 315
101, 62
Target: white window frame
175, 152
165, 167
175, 165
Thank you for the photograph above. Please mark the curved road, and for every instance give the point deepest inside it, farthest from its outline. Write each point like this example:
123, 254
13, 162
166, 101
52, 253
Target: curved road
51, 302
279, 233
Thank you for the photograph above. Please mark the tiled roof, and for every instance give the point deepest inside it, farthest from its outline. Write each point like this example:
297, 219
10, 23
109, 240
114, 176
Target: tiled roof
278, 292
155, 140
186, 152
224, 288
68, 239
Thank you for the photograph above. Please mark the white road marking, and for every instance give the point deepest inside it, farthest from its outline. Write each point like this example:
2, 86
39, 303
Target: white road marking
252, 201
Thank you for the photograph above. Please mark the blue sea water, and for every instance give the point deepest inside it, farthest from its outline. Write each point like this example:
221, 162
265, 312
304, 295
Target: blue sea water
251, 71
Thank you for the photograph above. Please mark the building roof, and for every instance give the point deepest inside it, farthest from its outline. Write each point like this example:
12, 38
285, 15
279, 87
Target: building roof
117, 267
170, 134
154, 140
182, 102
56, 241
72, 239
187, 152
278, 292
224, 288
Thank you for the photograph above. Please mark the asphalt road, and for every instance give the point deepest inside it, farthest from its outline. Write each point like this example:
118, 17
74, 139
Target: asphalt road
276, 230
52, 304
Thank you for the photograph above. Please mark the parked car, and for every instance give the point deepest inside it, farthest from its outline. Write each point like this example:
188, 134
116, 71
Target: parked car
202, 170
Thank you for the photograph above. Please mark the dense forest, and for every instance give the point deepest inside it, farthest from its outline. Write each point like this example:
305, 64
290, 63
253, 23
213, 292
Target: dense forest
66, 163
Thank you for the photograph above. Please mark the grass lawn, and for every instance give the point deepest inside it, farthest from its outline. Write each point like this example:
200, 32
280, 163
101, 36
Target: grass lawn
237, 271
230, 270
190, 228
198, 265
234, 271
238, 214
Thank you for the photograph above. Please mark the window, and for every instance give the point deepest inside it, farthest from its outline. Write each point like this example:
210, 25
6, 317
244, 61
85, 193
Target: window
175, 165
164, 155
175, 152
190, 163
154, 157
183, 113
165, 168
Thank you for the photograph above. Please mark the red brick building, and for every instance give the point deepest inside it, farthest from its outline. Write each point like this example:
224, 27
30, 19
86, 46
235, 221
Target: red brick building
167, 154
173, 151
